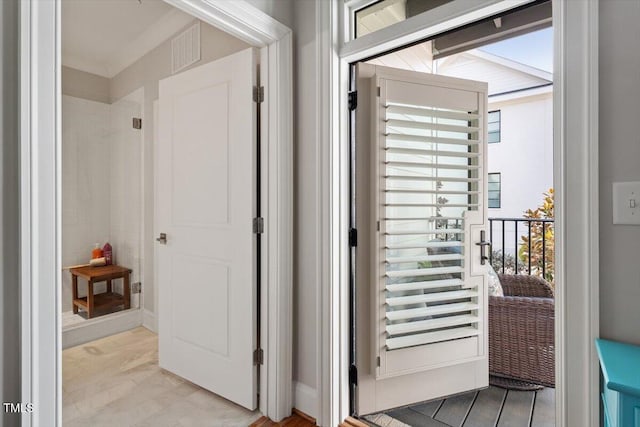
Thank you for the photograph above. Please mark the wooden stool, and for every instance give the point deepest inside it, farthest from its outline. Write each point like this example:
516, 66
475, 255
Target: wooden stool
107, 299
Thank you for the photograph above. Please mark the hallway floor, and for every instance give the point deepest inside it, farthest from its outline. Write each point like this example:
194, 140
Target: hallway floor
116, 382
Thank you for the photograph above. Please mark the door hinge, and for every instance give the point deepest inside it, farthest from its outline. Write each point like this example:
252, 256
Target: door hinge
258, 356
258, 94
353, 237
353, 100
137, 123
136, 287
378, 361
378, 90
258, 225
353, 375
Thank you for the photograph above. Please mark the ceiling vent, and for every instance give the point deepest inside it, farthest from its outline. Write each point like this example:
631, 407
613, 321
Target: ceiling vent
185, 48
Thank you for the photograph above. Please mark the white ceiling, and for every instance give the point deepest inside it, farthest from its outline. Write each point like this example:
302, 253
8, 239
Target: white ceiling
105, 36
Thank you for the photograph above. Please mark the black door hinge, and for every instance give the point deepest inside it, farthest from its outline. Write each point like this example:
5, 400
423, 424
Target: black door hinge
353, 100
258, 356
353, 375
258, 225
258, 94
353, 237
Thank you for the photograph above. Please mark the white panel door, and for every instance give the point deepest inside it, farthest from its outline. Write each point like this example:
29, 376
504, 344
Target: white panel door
421, 205
206, 192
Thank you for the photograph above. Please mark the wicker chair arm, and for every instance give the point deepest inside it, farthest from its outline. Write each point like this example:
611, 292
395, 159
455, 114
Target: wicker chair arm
521, 339
525, 285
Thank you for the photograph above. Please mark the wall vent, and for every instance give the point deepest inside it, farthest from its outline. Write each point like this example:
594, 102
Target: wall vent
185, 48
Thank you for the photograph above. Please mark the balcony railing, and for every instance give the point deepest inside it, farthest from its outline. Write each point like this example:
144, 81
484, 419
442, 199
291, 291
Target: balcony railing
506, 235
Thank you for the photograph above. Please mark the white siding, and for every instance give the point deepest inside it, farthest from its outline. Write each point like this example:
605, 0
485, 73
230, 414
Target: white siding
524, 155
501, 78
524, 159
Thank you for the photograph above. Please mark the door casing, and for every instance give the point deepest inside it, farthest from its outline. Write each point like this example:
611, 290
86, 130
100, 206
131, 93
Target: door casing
40, 180
575, 183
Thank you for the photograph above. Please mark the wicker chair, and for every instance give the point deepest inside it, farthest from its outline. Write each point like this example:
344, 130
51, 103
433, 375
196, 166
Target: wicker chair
521, 331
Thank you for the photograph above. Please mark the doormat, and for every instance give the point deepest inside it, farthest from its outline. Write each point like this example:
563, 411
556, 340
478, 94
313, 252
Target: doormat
511, 384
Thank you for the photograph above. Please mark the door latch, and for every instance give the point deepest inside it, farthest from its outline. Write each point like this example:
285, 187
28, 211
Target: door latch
483, 244
162, 239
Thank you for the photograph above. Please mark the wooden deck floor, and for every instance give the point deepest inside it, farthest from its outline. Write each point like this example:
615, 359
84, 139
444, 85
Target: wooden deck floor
491, 407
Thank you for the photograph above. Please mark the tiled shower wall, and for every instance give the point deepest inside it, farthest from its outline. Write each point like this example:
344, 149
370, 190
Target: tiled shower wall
101, 185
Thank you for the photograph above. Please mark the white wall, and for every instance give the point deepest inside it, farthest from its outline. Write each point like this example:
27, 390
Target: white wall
101, 186
86, 169
619, 161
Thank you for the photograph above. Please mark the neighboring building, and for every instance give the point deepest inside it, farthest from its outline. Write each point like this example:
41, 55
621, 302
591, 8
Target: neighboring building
520, 137
520, 160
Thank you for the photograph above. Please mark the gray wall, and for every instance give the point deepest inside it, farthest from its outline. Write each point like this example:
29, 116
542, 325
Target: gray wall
81, 84
307, 256
619, 161
280, 10
9, 215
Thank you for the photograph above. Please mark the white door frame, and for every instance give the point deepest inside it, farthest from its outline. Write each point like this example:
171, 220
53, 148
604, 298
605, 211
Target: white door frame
575, 183
40, 163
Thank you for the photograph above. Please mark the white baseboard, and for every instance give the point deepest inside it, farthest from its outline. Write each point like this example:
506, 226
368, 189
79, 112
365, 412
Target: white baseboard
101, 327
149, 320
305, 399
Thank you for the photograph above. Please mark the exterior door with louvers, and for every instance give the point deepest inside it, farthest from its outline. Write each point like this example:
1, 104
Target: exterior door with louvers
421, 292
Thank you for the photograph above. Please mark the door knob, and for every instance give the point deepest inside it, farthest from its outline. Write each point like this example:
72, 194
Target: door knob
483, 244
162, 239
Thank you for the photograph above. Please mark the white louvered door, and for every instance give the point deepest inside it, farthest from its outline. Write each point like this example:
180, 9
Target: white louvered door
424, 334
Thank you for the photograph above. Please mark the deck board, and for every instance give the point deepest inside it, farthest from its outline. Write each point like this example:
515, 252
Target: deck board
517, 408
544, 409
429, 409
487, 407
454, 410
490, 407
414, 418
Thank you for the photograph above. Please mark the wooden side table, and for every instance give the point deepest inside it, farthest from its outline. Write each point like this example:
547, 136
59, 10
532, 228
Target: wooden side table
108, 299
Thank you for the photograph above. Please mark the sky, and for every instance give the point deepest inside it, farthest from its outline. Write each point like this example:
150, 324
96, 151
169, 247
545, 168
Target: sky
534, 49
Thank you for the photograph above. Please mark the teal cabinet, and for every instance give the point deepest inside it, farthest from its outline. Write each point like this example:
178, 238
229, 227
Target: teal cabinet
620, 367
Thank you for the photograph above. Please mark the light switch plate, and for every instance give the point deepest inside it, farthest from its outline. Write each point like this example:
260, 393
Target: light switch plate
626, 203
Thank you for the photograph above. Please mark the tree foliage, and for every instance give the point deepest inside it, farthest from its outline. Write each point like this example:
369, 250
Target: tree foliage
544, 211
509, 263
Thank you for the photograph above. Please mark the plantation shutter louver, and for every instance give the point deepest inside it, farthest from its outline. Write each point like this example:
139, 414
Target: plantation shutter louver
431, 170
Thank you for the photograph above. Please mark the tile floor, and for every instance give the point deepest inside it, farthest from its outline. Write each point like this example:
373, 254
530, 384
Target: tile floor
116, 381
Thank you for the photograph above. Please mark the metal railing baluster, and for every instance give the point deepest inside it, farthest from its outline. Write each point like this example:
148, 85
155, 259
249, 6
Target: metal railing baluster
503, 221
